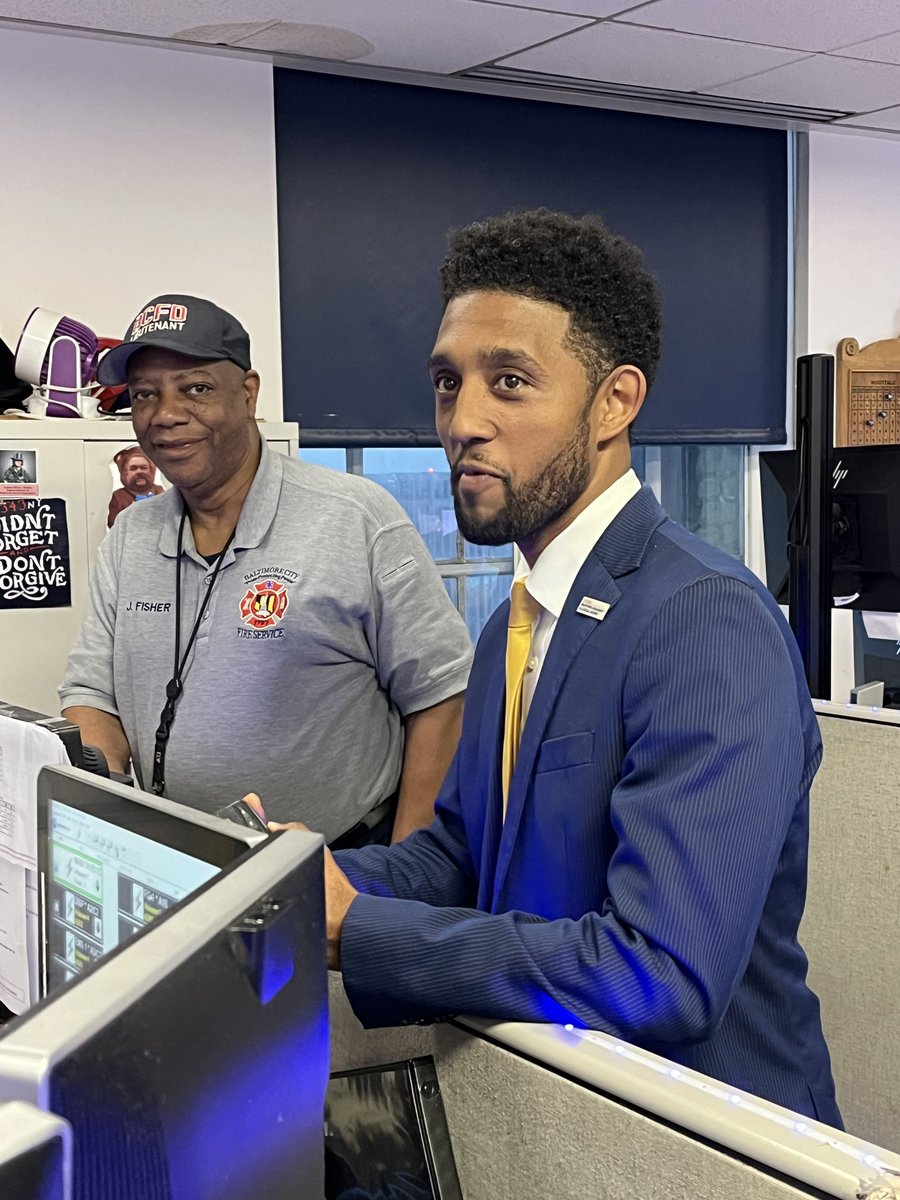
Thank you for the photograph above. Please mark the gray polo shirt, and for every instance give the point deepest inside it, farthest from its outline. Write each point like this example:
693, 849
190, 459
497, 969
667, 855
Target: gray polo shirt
328, 621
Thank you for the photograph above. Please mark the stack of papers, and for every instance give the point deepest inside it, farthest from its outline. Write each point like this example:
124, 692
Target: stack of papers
24, 749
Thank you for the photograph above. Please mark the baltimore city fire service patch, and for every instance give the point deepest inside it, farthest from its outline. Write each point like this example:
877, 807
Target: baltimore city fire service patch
262, 608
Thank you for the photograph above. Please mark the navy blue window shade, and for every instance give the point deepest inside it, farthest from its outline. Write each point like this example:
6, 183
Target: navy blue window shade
372, 175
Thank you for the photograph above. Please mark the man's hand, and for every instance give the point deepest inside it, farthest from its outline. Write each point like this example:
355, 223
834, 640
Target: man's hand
339, 891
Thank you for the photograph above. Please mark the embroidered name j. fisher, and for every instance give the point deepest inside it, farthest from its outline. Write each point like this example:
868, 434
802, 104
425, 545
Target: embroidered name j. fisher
151, 606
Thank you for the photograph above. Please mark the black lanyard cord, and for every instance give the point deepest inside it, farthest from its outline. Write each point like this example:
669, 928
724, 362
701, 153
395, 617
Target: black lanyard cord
175, 686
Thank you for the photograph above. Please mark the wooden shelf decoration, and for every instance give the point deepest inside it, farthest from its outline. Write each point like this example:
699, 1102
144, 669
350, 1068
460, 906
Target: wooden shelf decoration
867, 386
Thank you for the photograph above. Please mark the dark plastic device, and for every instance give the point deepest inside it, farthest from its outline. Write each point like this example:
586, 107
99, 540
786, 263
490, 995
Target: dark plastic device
244, 814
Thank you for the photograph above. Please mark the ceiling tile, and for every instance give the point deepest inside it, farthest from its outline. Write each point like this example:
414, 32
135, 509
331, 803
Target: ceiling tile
822, 81
796, 24
883, 49
587, 8
649, 58
886, 118
426, 35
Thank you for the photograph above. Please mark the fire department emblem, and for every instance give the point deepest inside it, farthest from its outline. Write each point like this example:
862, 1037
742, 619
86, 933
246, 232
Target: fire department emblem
264, 604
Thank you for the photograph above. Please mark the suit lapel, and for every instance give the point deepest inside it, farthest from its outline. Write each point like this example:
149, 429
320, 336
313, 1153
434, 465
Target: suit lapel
618, 552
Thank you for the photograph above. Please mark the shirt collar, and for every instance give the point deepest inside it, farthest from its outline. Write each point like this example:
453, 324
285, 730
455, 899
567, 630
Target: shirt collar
550, 579
261, 503
257, 513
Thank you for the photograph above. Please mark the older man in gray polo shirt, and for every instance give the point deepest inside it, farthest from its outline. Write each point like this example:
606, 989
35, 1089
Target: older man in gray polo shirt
265, 623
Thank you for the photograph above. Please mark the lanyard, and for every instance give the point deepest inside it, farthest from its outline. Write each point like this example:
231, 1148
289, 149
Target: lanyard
175, 686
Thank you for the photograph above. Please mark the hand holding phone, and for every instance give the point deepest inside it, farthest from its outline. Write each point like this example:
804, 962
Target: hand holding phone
244, 814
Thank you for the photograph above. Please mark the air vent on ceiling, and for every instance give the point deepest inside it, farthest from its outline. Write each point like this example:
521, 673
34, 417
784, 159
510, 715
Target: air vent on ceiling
622, 91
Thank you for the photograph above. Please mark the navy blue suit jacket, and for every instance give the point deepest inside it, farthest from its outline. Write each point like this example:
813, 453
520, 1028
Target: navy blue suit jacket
650, 875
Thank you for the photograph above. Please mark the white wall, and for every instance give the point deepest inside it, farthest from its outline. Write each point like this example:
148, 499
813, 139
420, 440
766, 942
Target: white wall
129, 171
854, 235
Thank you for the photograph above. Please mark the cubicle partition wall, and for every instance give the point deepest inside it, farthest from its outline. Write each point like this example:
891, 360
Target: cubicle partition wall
556, 1113
850, 929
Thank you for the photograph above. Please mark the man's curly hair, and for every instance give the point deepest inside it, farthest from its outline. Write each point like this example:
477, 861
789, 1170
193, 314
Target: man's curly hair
576, 262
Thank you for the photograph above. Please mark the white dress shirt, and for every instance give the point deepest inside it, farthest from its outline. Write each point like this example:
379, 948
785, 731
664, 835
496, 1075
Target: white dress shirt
550, 580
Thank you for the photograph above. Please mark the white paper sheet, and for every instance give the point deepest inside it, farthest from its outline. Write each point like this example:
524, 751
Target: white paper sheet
15, 961
24, 749
882, 625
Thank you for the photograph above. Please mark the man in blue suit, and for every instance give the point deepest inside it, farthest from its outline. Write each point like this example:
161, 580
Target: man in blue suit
636, 863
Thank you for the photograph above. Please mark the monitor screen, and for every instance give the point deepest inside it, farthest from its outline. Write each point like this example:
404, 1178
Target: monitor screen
105, 883
111, 859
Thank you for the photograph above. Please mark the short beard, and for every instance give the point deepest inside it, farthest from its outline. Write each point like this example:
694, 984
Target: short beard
536, 504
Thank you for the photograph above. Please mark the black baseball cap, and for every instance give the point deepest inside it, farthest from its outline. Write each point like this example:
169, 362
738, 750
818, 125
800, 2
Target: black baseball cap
183, 323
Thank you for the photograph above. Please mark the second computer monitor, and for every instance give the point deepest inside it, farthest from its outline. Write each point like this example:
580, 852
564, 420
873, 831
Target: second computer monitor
192, 1061
111, 859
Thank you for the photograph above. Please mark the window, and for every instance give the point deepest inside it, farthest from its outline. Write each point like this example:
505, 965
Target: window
699, 486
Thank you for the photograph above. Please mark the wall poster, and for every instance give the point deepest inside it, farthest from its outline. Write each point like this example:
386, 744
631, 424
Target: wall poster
18, 473
34, 554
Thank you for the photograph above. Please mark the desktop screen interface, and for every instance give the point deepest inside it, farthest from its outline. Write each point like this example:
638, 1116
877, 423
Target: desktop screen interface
106, 883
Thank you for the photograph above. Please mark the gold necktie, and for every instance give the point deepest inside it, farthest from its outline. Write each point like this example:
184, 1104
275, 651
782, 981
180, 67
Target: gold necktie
523, 608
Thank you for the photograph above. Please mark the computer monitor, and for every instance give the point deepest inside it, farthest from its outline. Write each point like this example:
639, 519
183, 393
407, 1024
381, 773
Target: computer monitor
35, 1154
864, 525
192, 1061
111, 859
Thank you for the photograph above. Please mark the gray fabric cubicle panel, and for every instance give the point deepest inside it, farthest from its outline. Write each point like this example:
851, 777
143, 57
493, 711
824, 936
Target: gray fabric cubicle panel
520, 1130
353, 1047
850, 928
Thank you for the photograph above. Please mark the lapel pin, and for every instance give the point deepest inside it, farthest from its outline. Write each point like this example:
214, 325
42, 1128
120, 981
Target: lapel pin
589, 607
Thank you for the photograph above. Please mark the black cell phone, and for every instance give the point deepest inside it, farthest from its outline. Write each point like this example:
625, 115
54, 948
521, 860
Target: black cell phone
241, 811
